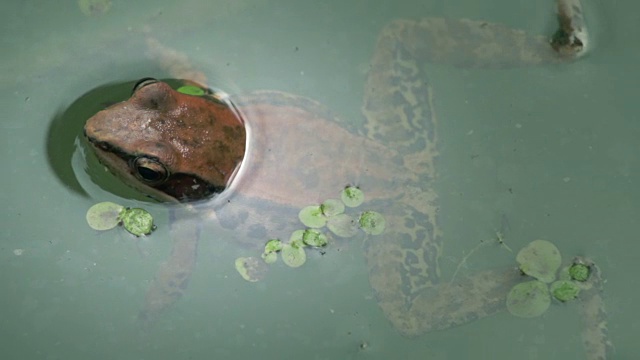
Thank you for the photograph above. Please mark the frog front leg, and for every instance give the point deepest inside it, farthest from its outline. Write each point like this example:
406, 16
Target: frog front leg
172, 277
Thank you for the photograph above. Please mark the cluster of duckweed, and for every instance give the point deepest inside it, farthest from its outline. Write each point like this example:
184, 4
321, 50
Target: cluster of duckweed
330, 215
540, 260
107, 215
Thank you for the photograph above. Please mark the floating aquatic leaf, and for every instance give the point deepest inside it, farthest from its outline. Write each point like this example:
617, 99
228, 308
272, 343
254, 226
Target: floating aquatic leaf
343, 225
191, 90
372, 222
564, 290
251, 268
270, 257
137, 221
352, 196
312, 216
579, 272
528, 299
273, 245
540, 259
293, 254
104, 215
296, 237
332, 207
314, 238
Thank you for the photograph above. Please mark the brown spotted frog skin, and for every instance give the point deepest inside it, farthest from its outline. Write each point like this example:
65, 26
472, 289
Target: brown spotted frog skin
281, 152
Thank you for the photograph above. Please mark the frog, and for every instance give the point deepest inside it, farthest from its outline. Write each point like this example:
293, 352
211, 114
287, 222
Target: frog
251, 161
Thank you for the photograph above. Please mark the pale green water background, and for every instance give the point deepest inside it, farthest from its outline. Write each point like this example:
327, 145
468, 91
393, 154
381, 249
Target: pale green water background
550, 152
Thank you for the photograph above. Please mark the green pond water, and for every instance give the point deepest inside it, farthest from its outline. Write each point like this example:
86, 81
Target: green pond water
535, 153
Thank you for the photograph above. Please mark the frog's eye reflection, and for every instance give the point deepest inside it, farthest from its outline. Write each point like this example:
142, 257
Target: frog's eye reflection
149, 170
142, 83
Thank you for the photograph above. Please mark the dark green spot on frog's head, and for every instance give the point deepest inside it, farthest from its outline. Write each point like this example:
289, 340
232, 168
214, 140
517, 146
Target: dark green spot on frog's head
233, 132
222, 147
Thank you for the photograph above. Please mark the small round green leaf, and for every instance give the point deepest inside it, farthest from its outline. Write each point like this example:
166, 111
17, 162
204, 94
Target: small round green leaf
273, 245
296, 237
564, 290
312, 216
137, 221
293, 254
315, 238
343, 225
191, 90
332, 207
579, 272
251, 268
270, 257
104, 215
372, 222
540, 259
352, 196
528, 299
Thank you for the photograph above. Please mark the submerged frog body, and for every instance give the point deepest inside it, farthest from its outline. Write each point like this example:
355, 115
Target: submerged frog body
281, 152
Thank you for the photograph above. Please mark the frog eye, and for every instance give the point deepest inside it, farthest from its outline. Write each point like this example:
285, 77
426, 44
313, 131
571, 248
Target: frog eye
142, 83
149, 170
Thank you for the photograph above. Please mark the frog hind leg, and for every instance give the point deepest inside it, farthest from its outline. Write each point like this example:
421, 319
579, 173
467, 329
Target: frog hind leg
406, 283
403, 261
397, 105
398, 108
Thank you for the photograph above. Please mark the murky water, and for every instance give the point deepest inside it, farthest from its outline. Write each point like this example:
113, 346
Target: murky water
548, 152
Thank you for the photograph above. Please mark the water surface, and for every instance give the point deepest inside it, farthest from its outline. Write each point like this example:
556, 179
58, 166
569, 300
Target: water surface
548, 152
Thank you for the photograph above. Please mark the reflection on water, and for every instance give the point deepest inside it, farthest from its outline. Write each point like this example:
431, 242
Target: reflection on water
521, 142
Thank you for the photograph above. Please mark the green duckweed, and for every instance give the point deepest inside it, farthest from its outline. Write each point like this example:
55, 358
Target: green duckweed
332, 207
528, 299
315, 238
564, 290
372, 222
579, 272
137, 221
540, 259
312, 216
104, 215
352, 196
293, 254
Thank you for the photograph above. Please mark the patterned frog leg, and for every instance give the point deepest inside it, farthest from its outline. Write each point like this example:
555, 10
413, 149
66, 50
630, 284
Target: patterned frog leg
403, 263
595, 336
